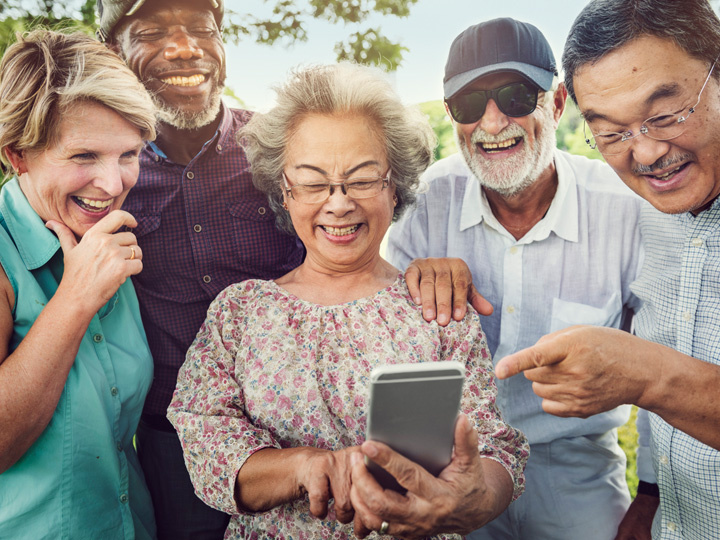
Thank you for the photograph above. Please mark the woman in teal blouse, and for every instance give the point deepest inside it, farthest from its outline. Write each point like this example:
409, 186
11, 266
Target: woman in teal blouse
74, 361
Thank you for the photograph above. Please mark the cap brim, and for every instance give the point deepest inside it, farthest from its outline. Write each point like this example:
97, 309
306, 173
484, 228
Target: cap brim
541, 77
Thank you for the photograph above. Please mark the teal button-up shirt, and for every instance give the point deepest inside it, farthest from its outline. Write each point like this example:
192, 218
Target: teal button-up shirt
81, 478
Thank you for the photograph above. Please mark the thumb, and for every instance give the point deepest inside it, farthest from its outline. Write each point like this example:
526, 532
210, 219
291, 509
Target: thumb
466, 440
478, 301
65, 235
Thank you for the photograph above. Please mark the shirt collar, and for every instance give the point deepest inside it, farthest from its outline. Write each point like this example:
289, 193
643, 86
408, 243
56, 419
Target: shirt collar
35, 243
561, 218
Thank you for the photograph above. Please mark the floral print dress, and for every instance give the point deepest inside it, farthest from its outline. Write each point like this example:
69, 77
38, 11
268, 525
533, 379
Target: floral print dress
269, 370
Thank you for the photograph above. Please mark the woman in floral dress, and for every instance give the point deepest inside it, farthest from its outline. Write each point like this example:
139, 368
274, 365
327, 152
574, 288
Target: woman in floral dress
271, 402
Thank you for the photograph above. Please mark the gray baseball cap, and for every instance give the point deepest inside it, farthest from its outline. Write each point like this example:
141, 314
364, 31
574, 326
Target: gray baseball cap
111, 11
496, 46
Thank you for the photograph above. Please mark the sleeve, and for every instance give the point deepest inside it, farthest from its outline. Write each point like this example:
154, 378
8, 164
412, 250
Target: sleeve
208, 407
465, 342
645, 470
408, 237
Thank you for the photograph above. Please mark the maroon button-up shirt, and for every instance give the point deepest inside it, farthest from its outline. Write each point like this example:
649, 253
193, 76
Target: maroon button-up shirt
201, 227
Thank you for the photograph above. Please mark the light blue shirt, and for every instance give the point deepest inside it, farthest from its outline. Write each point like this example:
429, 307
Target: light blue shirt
81, 478
680, 289
574, 267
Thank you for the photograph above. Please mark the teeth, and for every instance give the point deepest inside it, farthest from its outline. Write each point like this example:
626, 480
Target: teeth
193, 80
500, 145
667, 174
93, 203
341, 231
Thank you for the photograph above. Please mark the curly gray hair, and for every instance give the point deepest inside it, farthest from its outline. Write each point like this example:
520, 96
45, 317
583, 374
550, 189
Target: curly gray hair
338, 89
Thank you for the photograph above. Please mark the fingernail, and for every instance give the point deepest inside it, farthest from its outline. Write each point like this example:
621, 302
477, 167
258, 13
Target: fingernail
370, 449
417, 300
355, 458
428, 314
458, 314
442, 319
501, 371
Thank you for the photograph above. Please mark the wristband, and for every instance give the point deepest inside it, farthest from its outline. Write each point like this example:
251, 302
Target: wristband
646, 488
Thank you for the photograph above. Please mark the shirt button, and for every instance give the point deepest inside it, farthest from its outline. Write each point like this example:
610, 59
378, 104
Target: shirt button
687, 315
119, 446
190, 175
697, 242
114, 391
513, 250
207, 279
197, 228
124, 498
672, 526
219, 148
664, 460
511, 309
156, 157
262, 210
97, 338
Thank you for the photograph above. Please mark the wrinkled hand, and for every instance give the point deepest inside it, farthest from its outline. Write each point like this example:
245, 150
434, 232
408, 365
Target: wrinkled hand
100, 262
637, 523
442, 284
452, 502
583, 370
326, 475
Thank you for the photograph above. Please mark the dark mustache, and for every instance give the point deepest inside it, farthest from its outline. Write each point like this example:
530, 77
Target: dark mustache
662, 163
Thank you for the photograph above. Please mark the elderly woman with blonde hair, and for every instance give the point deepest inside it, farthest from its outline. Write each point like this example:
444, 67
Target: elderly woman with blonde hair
270, 404
74, 361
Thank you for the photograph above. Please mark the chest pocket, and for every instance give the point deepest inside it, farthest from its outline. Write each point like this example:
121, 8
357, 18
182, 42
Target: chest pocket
260, 248
565, 314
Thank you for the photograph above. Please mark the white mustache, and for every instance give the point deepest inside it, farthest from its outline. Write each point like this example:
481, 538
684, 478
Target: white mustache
512, 131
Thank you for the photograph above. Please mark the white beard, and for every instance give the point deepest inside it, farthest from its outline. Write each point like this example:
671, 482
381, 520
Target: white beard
511, 175
180, 119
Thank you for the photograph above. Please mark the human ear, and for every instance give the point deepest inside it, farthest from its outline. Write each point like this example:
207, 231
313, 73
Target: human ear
16, 159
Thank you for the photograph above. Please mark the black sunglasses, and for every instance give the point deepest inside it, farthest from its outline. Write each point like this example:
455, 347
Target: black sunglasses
514, 99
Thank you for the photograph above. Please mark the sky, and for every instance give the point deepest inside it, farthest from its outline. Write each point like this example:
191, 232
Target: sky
428, 32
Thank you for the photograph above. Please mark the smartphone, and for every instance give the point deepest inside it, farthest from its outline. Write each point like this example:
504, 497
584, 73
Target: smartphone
413, 409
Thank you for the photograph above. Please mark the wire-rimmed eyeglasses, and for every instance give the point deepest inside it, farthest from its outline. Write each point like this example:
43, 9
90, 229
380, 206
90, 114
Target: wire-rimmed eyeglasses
356, 187
661, 127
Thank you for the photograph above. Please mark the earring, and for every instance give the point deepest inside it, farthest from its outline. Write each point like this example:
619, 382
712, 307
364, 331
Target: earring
395, 199
285, 205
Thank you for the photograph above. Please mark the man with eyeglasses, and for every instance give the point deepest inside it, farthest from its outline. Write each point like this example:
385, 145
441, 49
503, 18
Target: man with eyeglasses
644, 75
552, 241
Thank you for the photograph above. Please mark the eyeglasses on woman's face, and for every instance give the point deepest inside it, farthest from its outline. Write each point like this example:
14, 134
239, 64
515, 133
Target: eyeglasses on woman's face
310, 187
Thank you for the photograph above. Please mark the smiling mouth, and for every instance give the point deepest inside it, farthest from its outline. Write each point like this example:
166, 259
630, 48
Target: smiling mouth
340, 231
92, 205
493, 147
668, 175
192, 80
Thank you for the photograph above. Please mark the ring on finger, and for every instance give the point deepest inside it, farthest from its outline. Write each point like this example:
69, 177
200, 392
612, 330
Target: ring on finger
384, 527
132, 253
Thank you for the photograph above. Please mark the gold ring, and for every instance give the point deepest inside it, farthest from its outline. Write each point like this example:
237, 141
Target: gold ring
384, 527
132, 253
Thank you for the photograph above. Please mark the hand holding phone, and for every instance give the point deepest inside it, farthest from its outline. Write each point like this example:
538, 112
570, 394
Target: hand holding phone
413, 409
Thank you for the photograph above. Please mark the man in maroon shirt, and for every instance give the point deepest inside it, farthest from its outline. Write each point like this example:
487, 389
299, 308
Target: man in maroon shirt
201, 223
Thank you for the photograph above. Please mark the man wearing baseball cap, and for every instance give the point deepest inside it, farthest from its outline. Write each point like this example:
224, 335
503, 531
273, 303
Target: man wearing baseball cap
551, 240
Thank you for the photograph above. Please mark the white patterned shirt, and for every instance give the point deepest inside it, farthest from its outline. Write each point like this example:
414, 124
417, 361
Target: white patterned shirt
574, 267
680, 289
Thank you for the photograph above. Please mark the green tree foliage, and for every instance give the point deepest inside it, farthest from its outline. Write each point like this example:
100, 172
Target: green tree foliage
283, 22
442, 126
